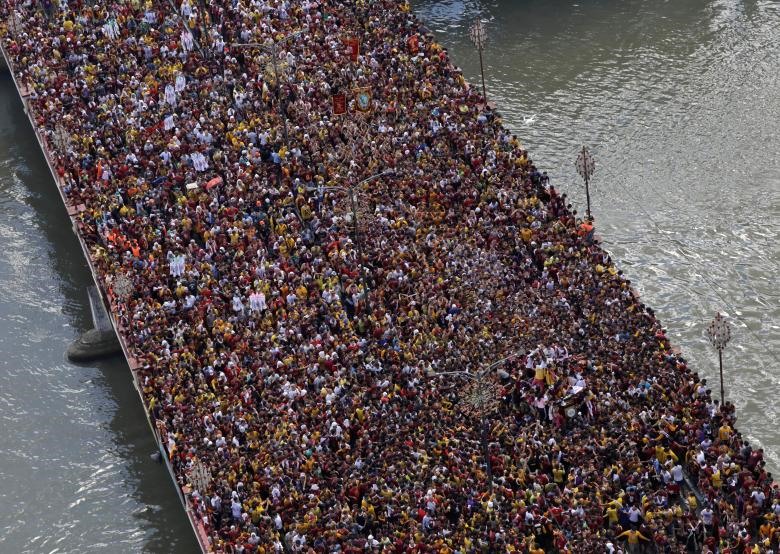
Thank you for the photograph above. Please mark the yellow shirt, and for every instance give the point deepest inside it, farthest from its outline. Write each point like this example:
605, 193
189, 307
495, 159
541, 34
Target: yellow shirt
632, 536
716, 480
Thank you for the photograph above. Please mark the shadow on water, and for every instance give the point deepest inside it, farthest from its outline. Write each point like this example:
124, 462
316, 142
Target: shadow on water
163, 521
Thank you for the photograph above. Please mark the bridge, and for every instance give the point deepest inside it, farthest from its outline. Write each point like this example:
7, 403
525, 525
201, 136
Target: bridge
100, 295
355, 314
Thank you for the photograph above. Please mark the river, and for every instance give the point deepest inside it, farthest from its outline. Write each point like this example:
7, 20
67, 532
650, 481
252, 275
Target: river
679, 104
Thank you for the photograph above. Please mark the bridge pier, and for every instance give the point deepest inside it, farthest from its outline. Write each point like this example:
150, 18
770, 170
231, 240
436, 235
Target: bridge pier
99, 342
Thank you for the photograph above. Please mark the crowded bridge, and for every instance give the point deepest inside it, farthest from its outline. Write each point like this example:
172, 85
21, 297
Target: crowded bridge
358, 312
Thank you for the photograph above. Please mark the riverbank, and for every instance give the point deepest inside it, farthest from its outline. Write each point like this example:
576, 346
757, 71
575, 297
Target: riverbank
374, 369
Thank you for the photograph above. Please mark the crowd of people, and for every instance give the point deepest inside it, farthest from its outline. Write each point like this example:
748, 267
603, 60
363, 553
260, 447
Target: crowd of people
380, 330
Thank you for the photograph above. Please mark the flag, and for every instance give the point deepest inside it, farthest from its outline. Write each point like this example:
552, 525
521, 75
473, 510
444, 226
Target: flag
414, 44
363, 99
339, 104
352, 48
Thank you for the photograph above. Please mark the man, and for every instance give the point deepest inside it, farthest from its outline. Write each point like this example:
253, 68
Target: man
707, 518
677, 475
634, 515
633, 537
758, 497
611, 515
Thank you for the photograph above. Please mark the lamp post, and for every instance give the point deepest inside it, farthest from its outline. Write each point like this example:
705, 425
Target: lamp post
122, 286
16, 21
478, 34
272, 48
61, 139
352, 191
199, 476
585, 167
481, 399
719, 333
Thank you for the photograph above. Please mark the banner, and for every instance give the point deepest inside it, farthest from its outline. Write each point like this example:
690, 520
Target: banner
339, 104
213, 183
363, 99
352, 47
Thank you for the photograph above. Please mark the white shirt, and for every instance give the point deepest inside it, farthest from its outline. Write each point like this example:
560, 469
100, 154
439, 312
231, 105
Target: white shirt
170, 95
758, 496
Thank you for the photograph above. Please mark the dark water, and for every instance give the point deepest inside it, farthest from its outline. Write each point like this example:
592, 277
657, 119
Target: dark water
679, 102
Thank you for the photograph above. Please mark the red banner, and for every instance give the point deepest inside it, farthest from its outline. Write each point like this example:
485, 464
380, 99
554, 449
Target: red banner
352, 48
213, 183
414, 44
339, 104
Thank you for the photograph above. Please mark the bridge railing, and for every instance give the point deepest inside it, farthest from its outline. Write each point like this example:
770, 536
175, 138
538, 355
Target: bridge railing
73, 211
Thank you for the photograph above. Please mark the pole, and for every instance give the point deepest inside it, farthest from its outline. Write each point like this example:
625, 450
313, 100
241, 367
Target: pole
355, 237
720, 363
486, 453
278, 96
482, 71
587, 195
13, 21
358, 247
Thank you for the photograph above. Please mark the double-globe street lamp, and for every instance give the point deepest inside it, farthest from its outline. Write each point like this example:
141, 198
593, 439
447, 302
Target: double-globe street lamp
478, 35
271, 47
481, 399
719, 333
353, 191
586, 165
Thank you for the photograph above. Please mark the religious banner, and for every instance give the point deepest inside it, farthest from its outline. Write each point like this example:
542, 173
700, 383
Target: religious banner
352, 47
414, 44
339, 104
363, 99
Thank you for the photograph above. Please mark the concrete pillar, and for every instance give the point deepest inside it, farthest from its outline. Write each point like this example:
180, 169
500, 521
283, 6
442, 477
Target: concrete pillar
100, 341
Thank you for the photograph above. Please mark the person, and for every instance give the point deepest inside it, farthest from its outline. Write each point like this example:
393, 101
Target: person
633, 536
313, 364
708, 518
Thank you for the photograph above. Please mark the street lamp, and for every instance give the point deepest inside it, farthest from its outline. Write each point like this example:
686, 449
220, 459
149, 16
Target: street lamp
585, 167
61, 139
481, 399
352, 191
199, 476
478, 34
272, 48
16, 21
719, 333
122, 286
